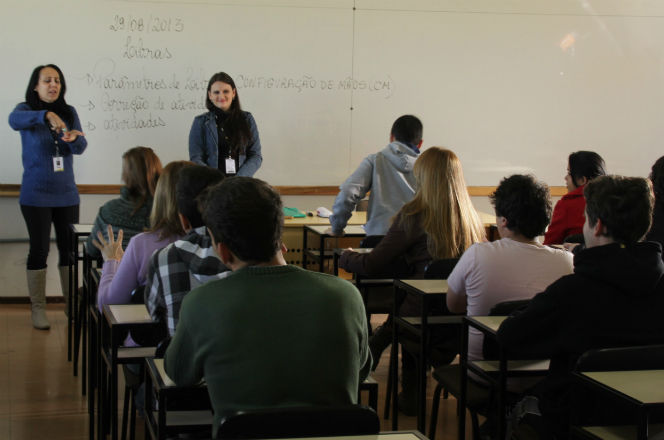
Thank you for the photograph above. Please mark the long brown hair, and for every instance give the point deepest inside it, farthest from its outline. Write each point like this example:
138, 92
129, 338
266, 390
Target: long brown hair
164, 215
239, 133
441, 205
140, 170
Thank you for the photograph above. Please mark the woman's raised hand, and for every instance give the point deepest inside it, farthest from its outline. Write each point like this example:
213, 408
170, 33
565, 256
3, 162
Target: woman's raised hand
111, 249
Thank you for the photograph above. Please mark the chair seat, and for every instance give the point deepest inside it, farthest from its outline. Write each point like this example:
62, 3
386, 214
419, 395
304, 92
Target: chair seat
477, 395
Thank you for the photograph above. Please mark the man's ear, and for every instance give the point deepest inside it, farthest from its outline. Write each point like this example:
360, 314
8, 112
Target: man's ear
599, 229
419, 144
581, 181
184, 221
224, 254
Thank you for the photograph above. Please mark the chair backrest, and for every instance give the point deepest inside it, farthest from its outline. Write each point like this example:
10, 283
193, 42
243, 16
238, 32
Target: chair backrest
440, 269
643, 357
370, 241
490, 348
293, 422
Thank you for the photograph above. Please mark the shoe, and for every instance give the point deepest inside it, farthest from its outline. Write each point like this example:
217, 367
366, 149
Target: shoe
37, 291
381, 339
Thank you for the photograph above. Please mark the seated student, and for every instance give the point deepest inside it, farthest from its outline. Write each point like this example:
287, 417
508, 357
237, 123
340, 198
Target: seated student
131, 212
186, 263
422, 229
124, 271
270, 334
387, 174
656, 232
567, 220
513, 268
615, 296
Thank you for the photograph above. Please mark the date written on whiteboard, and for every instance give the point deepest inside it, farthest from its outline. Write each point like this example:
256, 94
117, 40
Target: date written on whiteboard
129, 23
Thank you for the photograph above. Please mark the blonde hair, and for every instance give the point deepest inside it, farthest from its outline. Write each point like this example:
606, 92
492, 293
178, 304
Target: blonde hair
164, 215
441, 205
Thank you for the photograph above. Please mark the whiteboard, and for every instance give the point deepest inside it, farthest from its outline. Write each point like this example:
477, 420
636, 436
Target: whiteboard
511, 86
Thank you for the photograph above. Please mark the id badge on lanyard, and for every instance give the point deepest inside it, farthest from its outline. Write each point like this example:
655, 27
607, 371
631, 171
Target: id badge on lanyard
58, 161
230, 165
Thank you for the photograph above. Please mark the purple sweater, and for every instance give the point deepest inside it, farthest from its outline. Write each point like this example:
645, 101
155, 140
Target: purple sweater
120, 278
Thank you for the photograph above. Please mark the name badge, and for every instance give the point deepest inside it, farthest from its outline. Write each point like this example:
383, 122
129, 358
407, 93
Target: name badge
58, 164
230, 165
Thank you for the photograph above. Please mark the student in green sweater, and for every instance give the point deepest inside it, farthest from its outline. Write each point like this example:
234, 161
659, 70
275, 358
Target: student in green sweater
270, 334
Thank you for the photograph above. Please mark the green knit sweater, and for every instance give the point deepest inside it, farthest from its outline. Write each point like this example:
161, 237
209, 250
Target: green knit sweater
272, 336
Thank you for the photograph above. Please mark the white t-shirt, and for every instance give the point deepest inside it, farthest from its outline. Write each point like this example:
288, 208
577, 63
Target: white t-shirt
504, 270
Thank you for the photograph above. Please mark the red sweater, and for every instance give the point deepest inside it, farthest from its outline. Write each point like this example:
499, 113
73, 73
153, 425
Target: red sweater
568, 217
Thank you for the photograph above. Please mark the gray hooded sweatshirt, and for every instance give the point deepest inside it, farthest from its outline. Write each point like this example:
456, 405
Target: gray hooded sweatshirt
389, 176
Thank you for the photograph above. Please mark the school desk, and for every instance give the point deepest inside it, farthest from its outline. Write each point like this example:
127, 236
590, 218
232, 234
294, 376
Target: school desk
292, 234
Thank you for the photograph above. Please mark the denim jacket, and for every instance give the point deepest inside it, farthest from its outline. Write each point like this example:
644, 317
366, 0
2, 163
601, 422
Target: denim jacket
204, 145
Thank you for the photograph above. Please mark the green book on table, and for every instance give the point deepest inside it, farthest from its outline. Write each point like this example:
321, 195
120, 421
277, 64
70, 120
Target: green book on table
293, 212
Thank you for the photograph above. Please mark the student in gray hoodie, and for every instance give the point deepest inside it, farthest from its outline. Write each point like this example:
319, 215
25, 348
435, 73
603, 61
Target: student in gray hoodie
388, 174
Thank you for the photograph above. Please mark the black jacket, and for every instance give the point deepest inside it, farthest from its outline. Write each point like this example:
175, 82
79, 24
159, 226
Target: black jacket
614, 297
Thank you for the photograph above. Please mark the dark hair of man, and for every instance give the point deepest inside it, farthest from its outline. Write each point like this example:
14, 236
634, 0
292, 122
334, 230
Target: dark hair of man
586, 164
236, 124
246, 215
407, 129
192, 181
657, 178
624, 204
58, 107
525, 203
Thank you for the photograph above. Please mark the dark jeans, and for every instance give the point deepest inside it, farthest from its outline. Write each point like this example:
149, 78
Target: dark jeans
38, 221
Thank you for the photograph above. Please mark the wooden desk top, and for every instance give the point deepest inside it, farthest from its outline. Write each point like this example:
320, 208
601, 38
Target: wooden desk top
349, 231
357, 218
645, 386
490, 323
396, 435
428, 287
159, 365
81, 229
127, 314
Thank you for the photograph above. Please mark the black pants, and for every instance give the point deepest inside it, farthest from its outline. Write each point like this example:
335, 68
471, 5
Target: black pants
38, 221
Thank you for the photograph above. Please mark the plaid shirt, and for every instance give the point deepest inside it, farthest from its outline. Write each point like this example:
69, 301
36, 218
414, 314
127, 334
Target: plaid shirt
177, 269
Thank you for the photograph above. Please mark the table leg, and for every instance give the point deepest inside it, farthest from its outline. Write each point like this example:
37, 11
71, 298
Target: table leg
463, 362
304, 247
394, 362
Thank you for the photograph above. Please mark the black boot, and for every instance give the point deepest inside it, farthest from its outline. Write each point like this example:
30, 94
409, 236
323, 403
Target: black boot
381, 339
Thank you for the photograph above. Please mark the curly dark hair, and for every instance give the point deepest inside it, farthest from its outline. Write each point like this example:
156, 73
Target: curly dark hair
525, 203
624, 204
246, 215
657, 177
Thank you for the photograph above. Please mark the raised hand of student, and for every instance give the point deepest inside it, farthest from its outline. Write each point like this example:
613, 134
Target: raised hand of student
111, 249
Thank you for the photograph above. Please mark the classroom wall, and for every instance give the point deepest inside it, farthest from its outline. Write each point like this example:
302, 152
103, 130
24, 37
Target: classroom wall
511, 86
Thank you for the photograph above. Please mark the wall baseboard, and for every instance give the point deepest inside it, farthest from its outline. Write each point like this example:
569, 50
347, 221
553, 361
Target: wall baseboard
26, 300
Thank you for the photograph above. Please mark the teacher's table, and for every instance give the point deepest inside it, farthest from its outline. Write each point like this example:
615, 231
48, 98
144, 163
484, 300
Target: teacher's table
292, 234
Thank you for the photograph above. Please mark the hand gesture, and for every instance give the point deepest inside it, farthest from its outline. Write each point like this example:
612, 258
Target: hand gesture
55, 122
111, 250
71, 135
